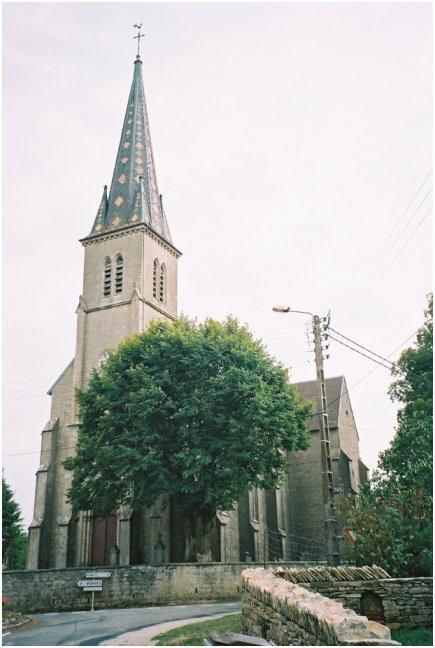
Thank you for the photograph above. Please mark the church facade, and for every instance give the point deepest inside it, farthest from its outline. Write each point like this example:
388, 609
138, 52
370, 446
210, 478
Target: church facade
130, 278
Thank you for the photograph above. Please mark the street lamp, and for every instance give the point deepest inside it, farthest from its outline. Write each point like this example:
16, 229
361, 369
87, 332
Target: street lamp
287, 309
325, 451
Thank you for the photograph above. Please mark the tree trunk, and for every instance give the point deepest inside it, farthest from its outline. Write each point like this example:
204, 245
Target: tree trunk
198, 529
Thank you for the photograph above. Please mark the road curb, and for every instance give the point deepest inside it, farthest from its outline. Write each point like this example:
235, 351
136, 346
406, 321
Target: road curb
11, 627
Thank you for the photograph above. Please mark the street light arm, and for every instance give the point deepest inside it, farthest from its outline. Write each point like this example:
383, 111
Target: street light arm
287, 309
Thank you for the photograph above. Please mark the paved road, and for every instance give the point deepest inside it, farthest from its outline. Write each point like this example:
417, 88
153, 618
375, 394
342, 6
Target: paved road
92, 628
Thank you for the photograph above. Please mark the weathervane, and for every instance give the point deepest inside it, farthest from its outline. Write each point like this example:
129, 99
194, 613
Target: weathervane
139, 36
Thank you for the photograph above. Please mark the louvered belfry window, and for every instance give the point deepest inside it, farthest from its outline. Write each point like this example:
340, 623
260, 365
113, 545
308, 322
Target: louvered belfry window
118, 273
162, 284
155, 274
107, 281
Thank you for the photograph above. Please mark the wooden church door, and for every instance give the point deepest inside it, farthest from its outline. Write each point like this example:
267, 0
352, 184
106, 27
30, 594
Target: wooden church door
103, 539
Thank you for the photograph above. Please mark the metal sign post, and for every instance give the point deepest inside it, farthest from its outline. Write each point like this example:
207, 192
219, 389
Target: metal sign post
93, 584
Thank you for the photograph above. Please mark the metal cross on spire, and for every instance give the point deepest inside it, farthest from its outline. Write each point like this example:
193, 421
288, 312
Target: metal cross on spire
139, 36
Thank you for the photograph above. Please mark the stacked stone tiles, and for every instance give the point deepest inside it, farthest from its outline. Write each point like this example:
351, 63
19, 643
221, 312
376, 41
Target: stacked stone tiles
406, 602
289, 614
333, 574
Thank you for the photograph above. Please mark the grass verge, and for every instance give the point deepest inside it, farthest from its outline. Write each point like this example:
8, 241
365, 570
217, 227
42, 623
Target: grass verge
415, 637
194, 633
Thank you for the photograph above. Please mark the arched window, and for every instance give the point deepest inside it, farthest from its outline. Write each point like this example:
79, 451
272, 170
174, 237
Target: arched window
162, 285
107, 279
118, 273
156, 270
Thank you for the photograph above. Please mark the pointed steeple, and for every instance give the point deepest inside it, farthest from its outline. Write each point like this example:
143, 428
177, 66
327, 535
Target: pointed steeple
134, 196
140, 212
100, 219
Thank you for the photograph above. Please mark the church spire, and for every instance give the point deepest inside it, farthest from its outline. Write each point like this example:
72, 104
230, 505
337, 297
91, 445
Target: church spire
134, 195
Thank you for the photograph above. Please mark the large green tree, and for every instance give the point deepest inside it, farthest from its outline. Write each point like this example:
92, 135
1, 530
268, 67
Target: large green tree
394, 511
409, 458
196, 411
14, 540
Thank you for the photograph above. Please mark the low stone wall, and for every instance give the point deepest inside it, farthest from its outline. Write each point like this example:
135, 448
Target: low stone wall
403, 602
396, 602
47, 590
289, 614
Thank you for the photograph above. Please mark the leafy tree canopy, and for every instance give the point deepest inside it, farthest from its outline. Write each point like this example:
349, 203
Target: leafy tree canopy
394, 512
414, 385
195, 410
14, 540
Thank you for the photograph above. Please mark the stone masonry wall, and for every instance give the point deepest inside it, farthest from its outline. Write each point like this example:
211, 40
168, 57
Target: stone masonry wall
48, 590
405, 602
289, 614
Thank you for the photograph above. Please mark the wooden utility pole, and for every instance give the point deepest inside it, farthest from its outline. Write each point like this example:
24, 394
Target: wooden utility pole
327, 476
325, 450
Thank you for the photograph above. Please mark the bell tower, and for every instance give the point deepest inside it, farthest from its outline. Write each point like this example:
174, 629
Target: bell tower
130, 278
130, 273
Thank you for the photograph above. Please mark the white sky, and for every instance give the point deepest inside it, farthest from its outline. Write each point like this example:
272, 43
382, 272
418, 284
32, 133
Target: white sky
289, 140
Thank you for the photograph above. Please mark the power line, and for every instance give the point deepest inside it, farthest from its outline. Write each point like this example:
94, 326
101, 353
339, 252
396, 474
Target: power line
390, 264
382, 260
374, 431
28, 380
359, 345
393, 367
49, 376
30, 371
360, 353
22, 389
384, 242
374, 369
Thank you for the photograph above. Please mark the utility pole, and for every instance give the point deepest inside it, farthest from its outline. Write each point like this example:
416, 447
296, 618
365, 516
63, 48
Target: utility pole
325, 450
325, 447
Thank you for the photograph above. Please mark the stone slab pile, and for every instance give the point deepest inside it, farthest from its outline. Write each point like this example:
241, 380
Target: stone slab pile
404, 602
289, 614
333, 574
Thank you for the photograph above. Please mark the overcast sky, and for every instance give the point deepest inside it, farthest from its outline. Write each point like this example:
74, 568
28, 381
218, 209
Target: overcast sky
293, 149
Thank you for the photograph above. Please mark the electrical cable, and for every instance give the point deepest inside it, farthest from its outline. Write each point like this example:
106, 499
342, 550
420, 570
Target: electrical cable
310, 416
353, 286
372, 370
382, 260
389, 266
393, 367
360, 345
360, 353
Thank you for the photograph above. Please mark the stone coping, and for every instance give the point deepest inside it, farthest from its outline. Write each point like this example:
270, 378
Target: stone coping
152, 565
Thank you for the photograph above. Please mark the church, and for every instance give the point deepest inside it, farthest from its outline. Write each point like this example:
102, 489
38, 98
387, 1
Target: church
129, 279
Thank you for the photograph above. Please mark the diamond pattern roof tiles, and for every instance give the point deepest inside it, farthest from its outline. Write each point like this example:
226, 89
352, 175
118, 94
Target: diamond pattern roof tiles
134, 195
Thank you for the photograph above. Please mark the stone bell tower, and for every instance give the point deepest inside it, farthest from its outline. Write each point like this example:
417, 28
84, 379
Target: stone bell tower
130, 278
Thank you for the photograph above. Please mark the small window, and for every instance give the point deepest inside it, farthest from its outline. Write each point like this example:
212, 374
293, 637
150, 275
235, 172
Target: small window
155, 275
119, 273
162, 285
107, 280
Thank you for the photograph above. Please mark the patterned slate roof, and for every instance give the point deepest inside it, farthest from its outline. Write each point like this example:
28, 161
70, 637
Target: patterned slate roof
334, 388
134, 196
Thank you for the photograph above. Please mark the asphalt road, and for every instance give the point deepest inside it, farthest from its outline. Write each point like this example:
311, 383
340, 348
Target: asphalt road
92, 628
